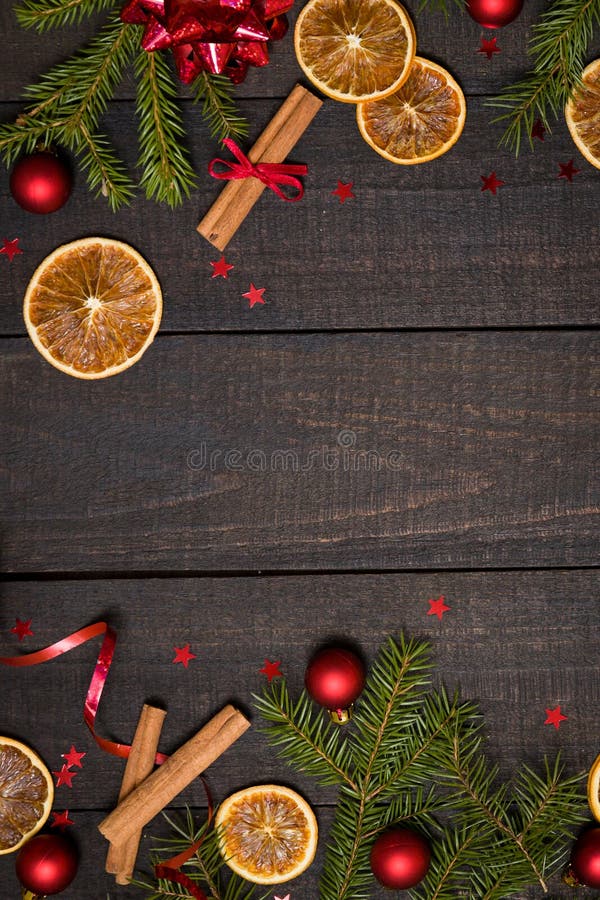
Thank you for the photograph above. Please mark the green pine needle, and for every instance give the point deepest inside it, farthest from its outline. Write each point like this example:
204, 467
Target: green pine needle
167, 175
215, 92
414, 756
46, 14
442, 6
558, 46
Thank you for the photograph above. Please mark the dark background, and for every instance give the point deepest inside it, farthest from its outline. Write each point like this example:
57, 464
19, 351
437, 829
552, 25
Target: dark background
438, 343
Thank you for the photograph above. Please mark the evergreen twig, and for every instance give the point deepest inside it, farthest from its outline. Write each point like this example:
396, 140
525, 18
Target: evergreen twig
167, 175
442, 6
219, 111
45, 14
414, 755
559, 44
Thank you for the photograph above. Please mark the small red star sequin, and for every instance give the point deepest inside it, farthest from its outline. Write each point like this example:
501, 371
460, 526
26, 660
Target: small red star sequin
538, 130
568, 170
222, 268
61, 820
73, 758
437, 607
271, 669
488, 46
344, 191
555, 717
22, 629
491, 183
11, 248
65, 776
287, 897
255, 295
183, 655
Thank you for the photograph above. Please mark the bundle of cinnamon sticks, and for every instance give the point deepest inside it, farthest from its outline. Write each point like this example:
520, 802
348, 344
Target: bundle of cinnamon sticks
145, 792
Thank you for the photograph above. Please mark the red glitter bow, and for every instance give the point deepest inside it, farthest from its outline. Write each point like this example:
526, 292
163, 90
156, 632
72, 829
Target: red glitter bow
218, 36
271, 174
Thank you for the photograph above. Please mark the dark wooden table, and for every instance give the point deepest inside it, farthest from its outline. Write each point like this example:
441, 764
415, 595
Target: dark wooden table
416, 413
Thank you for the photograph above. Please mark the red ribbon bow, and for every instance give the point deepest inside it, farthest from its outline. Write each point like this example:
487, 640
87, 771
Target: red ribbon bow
271, 174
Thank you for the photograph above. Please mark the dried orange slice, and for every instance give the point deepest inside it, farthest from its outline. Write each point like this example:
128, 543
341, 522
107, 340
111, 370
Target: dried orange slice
582, 113
26, 794
355, 50
420, 121
593, 789
93, 307
268, 834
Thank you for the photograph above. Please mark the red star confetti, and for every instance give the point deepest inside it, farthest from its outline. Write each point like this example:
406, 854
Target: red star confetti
65, 776
61, 820
222, 268
73, 758
255, 295
491, 183
568, 170
183, 655
538, 130
488, 46
437, 607
271, 669
22, 629
287, 897
11, 248
555, 717
344, 191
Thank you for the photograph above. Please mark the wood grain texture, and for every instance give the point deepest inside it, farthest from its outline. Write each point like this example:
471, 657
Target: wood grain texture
517, 643
340, 451
418, 247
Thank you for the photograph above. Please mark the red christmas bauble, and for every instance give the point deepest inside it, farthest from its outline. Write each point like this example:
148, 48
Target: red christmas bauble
494, 13
400, 858
334, 678
41, 182
46, 864
585, 858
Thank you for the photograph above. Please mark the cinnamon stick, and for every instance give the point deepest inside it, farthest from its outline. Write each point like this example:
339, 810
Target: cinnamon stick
120, 859
157, 791
279, 137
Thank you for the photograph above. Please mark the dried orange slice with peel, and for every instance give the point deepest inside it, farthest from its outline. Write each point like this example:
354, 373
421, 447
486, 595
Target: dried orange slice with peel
582, 114
354, 50
268, 833
420, 121
93, 307
26, 794
593, 789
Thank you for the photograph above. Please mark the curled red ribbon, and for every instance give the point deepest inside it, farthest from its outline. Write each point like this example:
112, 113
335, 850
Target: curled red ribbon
271, 174
94, 693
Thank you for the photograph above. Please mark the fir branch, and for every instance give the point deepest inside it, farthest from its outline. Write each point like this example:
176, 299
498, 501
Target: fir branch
68, 102
440, 6
303, 737
218, 107
167, 174
45, 14
559, 44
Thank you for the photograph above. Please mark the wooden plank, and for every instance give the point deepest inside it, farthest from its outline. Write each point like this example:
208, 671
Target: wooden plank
515, 642
453, 42
410, 450
419, 246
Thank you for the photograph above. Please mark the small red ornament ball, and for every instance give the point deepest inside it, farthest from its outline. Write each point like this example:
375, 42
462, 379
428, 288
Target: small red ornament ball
400, 858
585, 858
334, 678
41, 182
46, 864
494, 13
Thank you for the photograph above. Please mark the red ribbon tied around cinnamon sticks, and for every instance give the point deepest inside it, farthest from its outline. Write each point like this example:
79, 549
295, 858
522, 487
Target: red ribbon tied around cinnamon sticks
271, 174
